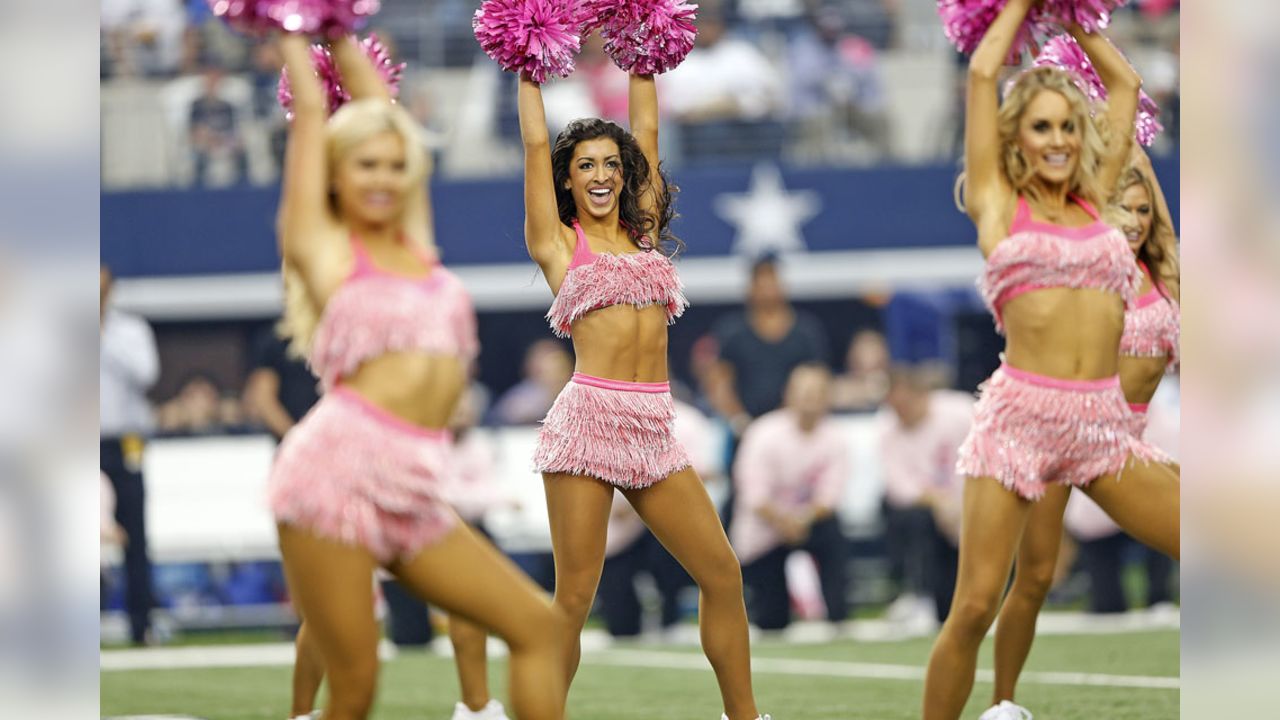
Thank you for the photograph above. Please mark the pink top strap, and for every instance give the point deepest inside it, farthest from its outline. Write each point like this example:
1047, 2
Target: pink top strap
365, 267
582, 254
364, 264
1022, 217
1089, 209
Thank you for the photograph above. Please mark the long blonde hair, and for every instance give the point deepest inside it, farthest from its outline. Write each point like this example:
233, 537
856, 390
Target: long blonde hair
352, 124
1094, 135
1160, 248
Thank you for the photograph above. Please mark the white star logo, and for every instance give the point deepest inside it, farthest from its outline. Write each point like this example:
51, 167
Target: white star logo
767, 216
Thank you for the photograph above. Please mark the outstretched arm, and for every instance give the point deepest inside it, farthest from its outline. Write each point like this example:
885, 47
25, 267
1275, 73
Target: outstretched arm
986, 189
359, 77
541, 216
303, 209
642, 102
1122, 83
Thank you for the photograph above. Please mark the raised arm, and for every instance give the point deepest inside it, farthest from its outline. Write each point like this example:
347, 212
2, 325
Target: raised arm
642, 104
303, 194
986, 189
1122, 83
359, 77
541, 216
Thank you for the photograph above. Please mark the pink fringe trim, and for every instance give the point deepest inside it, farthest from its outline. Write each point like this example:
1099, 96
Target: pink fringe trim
1152, 329
1045, 259
374, 315
624, 437
370, 484
640, 279
1026, 434
1138, 420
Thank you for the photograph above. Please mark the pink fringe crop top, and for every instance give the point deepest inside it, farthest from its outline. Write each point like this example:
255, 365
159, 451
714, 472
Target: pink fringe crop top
1038, 255
597, 280
1152, 325
375, 312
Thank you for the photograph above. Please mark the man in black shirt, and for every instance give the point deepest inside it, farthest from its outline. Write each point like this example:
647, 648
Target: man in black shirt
214, 131
758, 350
280, 389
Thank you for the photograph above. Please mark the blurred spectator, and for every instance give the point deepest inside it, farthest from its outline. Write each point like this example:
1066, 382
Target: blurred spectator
607, 83
920, 431
215, 135
264, 76
476, 491
128, 367
761, 346
142, 37
865, 380
723, 77
837, 93
547, 367
200, 408
280, 388
630, 549
791, 472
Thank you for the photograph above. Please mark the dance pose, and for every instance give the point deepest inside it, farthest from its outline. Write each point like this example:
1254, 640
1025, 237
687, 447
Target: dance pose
359, 483
1149, 346
597, 214
1057, 281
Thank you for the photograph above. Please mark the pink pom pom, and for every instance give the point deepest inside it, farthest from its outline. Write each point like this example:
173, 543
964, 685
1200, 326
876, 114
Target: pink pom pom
331, 81
1091, 15
966, 22
537, 38
256, 17
347, 16
645, 37
1062, 51
593, 14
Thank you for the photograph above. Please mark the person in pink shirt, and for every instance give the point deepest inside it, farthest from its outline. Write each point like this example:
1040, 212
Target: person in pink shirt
920, 431
790, 472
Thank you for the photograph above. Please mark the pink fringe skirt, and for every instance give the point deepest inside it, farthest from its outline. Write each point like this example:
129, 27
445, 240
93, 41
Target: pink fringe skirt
354, 473
1029, 430
1138, 419
620, 432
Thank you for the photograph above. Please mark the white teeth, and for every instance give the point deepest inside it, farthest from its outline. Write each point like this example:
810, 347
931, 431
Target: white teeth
1058, 159
600, 192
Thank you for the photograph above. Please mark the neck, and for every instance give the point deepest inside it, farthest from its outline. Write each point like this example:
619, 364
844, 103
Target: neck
375, 233
608, 227
1052, 198
807, 423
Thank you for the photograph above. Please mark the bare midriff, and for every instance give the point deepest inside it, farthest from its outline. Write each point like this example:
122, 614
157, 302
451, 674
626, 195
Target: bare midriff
417, 387
622, 342
1067, 333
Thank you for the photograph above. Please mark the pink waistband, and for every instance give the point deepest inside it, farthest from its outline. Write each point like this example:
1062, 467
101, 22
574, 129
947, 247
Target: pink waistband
1060, 383
382, 417
1140, 408
624, 385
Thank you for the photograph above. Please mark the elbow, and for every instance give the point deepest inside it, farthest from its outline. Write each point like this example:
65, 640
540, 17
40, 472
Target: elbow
980, 71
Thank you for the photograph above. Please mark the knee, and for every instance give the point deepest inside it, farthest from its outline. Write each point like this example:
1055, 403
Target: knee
972, 616
1033, 582
722, 576
543, 629
574, 599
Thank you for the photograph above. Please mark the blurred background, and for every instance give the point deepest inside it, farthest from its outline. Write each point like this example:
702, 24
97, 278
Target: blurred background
824, 135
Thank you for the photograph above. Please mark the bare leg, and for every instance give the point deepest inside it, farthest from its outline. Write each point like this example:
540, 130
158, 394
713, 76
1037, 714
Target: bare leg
496, 596
469, 655
1145, 500
332, 585
991, 529
308, 672
684, 520
579, 511
1033, 577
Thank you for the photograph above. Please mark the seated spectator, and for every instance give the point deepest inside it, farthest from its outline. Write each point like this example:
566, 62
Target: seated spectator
723, 77
865, 380
199, 408
837, 92
547, 367
790, 472
142, 37
920, 431
215, 134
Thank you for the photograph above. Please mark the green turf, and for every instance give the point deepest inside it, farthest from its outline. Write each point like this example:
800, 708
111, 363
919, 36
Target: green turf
421, 686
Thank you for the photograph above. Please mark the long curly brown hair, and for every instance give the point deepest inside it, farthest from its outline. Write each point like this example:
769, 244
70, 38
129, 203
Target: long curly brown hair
640, 224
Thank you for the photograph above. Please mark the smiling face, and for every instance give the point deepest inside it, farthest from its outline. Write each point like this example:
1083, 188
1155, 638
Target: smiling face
595, 176
1139, 214
370, 181
1049, 137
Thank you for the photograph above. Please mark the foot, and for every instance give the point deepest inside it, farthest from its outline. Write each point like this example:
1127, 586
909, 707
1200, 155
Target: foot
491, 711
762, 717
313, 715
1006, 710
